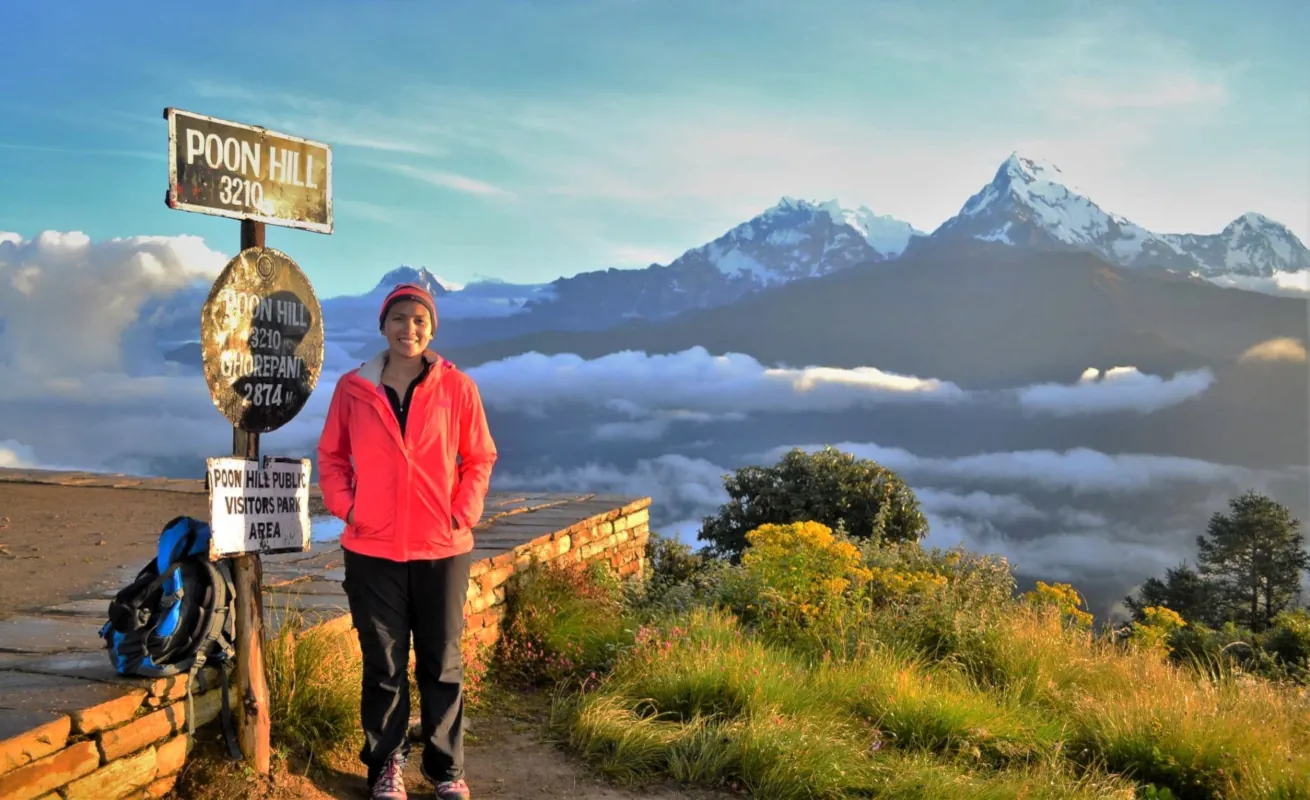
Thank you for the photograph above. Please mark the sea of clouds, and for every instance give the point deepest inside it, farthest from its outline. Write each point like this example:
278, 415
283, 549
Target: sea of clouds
84, 384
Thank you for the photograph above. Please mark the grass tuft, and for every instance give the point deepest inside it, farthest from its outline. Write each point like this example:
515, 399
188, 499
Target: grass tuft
313, 676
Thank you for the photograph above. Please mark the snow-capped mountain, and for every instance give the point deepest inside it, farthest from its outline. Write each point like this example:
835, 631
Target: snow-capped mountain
801, 239
1030, 203
1252, 245
407, 274
792, 240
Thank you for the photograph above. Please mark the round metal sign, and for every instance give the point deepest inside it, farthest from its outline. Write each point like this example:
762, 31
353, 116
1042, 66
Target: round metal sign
261, 335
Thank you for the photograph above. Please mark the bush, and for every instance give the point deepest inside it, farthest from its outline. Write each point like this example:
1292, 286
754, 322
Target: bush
1156, 629
561, 621
676, 578
798, 581
1061, 598
1288, 641
829, 487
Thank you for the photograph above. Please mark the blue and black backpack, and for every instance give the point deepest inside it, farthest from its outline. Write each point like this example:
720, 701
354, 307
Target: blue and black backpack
177, 616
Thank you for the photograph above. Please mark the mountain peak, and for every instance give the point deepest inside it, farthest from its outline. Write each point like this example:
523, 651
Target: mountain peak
1252, 244
1031, 203
884, 233
1031, 169
407, 274
1253, 219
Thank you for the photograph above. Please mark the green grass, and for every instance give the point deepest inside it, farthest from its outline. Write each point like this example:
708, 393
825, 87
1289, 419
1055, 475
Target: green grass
706, 703
945, 698
313, 677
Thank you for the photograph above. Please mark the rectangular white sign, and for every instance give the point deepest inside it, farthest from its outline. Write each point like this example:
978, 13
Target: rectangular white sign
258, 507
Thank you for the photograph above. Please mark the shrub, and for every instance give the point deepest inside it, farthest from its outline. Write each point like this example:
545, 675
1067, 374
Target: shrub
1062, 598
798, 580
677, 579
829, 487
1288, 640
561, 620
1156, 628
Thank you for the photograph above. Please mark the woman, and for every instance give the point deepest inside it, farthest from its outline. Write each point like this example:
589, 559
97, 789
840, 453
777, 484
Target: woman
405, 459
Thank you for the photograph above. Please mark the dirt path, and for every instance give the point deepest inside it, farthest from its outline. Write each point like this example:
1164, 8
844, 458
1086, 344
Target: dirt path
62, 542
507, 757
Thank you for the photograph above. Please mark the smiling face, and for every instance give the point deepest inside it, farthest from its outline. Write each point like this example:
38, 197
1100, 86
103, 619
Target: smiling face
408, 328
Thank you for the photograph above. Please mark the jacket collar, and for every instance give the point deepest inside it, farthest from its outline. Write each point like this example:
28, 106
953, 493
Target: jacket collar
371, 371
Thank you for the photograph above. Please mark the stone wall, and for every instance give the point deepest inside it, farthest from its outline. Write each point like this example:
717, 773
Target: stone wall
112, 737
618, 537
130, 746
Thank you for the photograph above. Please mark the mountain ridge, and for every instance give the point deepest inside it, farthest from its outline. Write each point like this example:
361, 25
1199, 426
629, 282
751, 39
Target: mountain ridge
1029, 203
921, 314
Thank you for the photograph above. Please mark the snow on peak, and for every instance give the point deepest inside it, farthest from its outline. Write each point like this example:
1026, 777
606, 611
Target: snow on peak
1032, 202
1036, 183
1254, 220
1252, 244
421, 276
884, 233
1031, 169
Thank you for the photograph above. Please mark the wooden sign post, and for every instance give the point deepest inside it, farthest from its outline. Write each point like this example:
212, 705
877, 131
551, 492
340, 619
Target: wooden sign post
261, 336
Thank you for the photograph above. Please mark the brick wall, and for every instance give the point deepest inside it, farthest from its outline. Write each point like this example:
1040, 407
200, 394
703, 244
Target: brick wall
130, 747
135, 745
618, 537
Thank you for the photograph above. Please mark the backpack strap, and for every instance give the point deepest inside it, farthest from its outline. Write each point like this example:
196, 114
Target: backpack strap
217, 637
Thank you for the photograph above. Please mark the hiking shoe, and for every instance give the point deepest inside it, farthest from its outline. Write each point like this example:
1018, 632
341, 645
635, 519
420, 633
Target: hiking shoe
390, 784
453, 790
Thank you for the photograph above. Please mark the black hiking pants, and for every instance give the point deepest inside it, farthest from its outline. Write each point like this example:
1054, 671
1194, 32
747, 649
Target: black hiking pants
389, 601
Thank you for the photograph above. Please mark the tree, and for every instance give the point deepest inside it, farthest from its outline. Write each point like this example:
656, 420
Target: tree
1254, 556
829, 486
1183, 591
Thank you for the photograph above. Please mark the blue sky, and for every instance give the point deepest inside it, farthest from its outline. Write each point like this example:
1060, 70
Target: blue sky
528, 140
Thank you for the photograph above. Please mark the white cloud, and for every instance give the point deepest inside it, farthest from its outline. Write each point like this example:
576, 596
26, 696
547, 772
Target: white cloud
1162, 91
695, 386
1079, 470
82, 386
1115, 390
1080, 518
641, 256
449, 180
999, 508
1079, 545
692, 381
654, 427
1286, 284
1071, 557
1283, 348
66, 301
323, 120
681, 489
16, 455
377, 212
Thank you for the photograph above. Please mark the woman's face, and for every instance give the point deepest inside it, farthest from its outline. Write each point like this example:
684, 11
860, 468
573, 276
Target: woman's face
408, 328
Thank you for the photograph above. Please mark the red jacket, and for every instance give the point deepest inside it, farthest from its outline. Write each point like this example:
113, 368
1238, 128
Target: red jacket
405, 491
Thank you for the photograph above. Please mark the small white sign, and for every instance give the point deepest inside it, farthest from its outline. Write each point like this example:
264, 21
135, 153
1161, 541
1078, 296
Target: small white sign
258, 507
